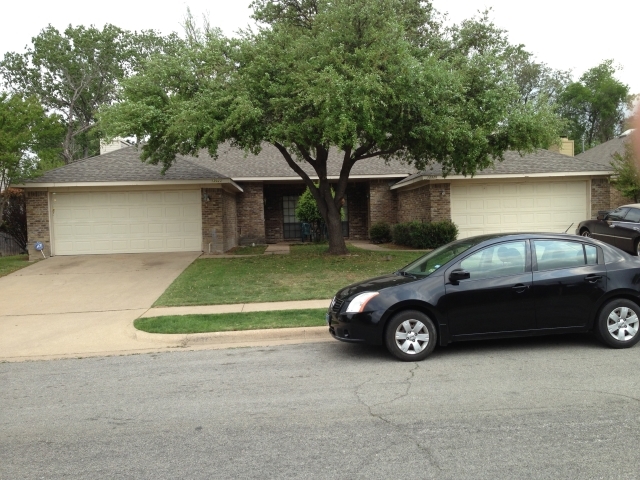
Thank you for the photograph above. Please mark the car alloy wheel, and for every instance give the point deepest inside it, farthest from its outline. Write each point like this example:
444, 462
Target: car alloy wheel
410, 336
586, 233
618, 323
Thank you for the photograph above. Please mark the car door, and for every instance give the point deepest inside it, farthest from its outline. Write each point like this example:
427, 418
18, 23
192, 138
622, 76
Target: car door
569, 277
628, 230
608, 230
496, 297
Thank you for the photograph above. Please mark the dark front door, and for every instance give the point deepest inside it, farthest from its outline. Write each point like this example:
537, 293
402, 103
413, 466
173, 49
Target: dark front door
497, 296
568, 279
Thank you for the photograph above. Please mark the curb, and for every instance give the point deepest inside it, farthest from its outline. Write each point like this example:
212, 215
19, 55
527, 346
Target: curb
239, 337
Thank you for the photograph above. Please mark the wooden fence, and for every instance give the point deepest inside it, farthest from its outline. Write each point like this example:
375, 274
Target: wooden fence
8, 246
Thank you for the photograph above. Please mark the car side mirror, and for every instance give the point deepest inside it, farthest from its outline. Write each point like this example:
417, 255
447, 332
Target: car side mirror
457, 275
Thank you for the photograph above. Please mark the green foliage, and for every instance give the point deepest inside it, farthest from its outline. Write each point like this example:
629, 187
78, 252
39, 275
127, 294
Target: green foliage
425, 235
594, 106
75, 72
28, 139
365, 77
380, 232
626, 179
307, 208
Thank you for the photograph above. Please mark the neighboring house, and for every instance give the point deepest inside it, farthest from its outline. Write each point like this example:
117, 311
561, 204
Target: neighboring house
603, 155
114, 203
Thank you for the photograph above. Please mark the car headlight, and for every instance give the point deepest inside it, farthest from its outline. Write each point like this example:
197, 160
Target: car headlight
357, 304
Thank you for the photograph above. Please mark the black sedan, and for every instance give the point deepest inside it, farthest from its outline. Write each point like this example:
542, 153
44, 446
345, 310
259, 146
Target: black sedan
495, 286
620, 228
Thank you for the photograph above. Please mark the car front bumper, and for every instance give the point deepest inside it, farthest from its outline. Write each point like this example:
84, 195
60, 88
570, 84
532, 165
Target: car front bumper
355, 327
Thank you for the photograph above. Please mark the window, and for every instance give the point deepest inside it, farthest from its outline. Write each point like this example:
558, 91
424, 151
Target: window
496, 261
553, 254
291, 225
617, 215
432, 261
632, 216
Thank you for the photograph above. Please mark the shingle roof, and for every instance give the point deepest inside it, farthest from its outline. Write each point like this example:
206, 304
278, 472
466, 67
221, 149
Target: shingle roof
539, 162
125, 165
603, 153
122, 166
269, 163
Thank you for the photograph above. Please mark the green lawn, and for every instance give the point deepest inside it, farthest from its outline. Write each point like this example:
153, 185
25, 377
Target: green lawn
305, 274
232, 321
11, 264
248, 250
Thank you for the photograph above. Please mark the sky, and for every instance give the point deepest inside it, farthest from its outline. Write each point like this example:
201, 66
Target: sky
566, 34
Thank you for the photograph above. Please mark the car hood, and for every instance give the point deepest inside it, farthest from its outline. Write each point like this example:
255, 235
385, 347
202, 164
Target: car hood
375, 284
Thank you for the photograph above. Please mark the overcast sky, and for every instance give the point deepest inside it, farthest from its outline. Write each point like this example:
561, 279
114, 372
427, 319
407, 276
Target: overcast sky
566, 34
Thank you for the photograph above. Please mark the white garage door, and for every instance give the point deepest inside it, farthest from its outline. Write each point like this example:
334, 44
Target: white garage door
126, 222
533, 206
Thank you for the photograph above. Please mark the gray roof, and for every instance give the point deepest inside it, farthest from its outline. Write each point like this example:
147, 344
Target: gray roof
124, 165
603, 153
539, 162
269, 163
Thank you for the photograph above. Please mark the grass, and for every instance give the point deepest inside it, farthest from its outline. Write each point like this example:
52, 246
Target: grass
257, 250
226, 322
307, 273
11, 264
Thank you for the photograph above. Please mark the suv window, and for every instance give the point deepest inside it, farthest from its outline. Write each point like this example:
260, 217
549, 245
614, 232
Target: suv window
553, 254
617, 215
496, 261
633, 215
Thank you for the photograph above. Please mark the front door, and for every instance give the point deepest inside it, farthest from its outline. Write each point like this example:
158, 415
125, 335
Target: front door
497, 296
568, 280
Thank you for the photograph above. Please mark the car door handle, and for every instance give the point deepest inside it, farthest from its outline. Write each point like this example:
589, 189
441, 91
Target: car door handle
592, 278
519, 288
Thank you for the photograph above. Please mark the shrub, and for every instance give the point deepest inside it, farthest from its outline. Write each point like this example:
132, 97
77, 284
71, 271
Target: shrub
425, 235
380, 232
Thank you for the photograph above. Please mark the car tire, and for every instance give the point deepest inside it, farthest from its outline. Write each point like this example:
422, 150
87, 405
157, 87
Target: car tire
585, 233
637, 247
410, 336
618, 324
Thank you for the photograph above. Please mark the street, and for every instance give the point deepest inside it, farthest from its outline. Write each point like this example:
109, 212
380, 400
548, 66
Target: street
553, 407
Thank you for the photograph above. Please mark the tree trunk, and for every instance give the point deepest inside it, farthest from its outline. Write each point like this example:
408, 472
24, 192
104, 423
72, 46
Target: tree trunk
333, 220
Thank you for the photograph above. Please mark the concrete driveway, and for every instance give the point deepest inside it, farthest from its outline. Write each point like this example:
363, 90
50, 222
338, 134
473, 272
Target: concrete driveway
82, 304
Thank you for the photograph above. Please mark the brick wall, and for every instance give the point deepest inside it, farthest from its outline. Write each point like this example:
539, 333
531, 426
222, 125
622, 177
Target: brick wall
414, 204
600, 195
357, 207
250, 205
229, 220
440, 202
383, 202
212, 220
616, 198
38, 223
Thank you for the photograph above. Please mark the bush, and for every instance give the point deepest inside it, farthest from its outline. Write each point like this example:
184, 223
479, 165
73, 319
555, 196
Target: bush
380, 232
425, 235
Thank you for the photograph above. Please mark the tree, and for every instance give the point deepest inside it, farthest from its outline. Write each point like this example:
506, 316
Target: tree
626, 179
14, 217
307, 209
28, 140
594, 106
75, 72
364, 77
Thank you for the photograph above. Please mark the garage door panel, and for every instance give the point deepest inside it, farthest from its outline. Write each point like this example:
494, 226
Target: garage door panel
496, 207
122, 222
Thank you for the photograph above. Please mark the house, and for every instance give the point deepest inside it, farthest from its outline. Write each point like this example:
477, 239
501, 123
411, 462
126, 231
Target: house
603, 154
114, 203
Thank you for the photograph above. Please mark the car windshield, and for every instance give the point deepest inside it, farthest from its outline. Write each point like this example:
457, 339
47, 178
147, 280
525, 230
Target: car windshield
432, 261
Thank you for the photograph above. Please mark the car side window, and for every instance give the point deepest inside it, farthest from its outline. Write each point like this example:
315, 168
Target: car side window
554, 254
617, 215
633, 215
496, 261
591, 253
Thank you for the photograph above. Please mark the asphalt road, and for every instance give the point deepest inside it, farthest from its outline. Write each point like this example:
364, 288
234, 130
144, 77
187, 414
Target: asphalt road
557, 407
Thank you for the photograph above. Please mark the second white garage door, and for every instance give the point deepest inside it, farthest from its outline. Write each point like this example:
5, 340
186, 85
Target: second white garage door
126, 222
534, 206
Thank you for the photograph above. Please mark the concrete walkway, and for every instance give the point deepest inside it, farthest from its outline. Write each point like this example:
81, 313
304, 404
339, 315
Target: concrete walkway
236, 308
278, 249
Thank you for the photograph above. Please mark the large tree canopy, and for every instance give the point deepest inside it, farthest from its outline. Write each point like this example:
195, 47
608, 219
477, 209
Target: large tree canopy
75, 72
366, 77
594, 106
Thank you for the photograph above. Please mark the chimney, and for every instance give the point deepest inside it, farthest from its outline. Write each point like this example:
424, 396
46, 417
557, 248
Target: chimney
116, 144
565, 148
